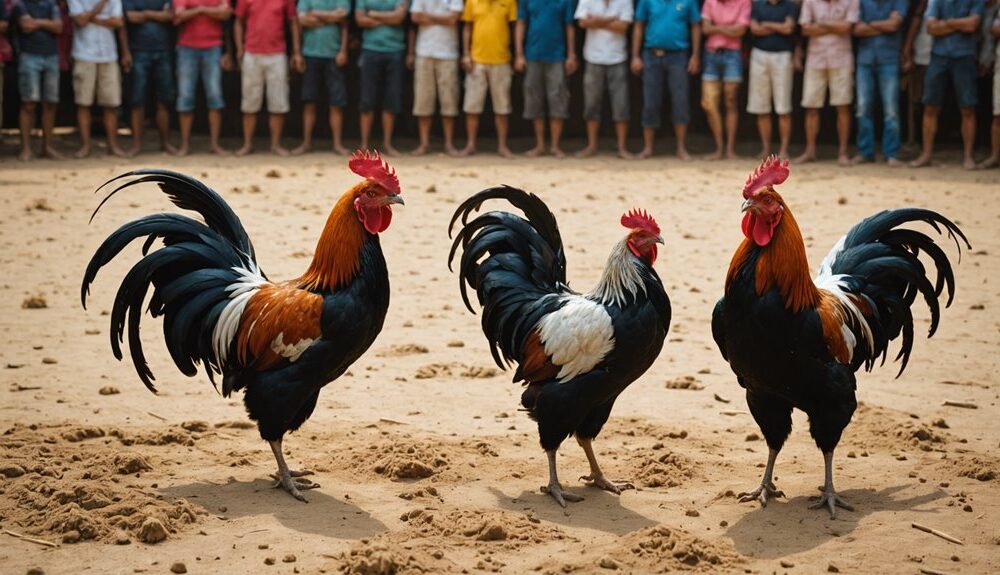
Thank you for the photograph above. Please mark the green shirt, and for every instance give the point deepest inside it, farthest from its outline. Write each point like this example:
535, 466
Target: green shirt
382, 38
322, 41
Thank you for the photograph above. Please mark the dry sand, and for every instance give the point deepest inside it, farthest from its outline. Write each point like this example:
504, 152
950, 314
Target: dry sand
426, 464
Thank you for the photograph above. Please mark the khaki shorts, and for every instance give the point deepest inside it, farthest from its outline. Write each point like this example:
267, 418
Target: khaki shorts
839, 80
258, 71
496, 78
100, 79
771, 76
435, 80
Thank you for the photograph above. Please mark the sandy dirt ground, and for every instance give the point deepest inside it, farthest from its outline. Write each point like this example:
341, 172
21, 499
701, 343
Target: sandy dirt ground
426, 463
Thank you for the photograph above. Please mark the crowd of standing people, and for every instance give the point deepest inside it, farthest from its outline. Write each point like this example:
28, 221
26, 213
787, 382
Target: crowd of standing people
853, 54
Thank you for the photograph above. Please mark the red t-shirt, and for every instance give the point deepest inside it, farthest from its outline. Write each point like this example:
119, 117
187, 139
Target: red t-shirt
265, 24
201, 31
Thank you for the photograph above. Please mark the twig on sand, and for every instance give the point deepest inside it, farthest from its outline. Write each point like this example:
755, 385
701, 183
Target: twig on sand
720, 398
927, 571
962, 404
160, 417
250, 532
733, 412
30, 539
392, 421
940, 534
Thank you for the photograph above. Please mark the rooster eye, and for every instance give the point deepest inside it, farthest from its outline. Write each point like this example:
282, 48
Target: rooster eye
371, 194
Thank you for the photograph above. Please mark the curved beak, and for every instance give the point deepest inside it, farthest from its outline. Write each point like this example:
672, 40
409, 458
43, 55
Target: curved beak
395, 199
659, 240
747, 204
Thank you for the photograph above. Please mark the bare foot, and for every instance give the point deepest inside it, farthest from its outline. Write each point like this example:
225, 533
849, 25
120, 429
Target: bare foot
303, 148
989, 162
843, 160
534, 152
732, 155
51, 153
783, 154
625, 154
717, 155
183, 150
805, 158
452, 151
245, 150
169, 148
132, 152
390, 151
420, 151
645, 153
893, 163
280, 151
920, 162
859, 159
218, 151
340, 150
586, 152
469, 150
683, 155
25, 155
557, 152
505, 152
82, 152
969, 163
117, 151
764, 153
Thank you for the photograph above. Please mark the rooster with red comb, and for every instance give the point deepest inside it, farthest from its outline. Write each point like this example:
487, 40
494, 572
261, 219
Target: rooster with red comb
796, 342
280, 342
575, 353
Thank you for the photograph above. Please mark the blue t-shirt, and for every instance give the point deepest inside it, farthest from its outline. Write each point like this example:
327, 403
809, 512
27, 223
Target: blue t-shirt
382, 38
546, 20
764, 11
39, 42
668, 23
883, 48
148, 36
956, 44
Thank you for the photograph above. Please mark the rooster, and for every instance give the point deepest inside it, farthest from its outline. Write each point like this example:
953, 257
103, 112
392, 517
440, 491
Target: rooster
796, 342
574, 352
280, 342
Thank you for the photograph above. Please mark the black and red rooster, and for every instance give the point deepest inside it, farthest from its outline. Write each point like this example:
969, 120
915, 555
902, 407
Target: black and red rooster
281, 342
796, 342
575, 352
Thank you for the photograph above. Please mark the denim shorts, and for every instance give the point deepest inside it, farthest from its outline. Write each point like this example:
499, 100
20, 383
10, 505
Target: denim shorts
155, 65
382, 80
545, 82
665, 70
320, 71
38, 77
193, 63
962, 72
723, 66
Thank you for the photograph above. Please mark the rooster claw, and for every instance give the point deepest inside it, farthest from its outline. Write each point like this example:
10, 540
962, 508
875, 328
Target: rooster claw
602, 482
557, 493
831, 501
294, 488
761, 494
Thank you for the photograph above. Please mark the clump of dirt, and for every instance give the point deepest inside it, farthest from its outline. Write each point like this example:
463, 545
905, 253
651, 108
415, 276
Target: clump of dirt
422, 492
455, 369
660, 467
877, 424
684, 382
378, 558
173, 436
404, 350
37, 301
401, 459
978, 469
663, 549
506, 529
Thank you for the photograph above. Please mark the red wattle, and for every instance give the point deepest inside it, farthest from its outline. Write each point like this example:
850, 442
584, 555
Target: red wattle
375, 219
757, 229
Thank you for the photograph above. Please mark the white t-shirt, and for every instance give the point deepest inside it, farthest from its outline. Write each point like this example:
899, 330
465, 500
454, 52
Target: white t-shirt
94, 43
437, 41
604, 46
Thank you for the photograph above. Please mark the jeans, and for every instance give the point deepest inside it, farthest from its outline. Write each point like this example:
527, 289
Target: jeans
658, 64
155, 65
193, 63
38, 78
886, 78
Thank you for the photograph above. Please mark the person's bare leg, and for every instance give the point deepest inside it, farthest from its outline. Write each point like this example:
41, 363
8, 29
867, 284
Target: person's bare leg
812, 130
163, 127
765, 128
968, 137
137, 120
249, 127
994, 157
83, 125
337, 129
48, 131
710, 104
424, 129
214, 131
593, 127
648, 137
843, 134
276, 124
308, 123
110, 117
366, 120
27, 124
784, 134
285, 476
731, 96
554, 488
539, 126
929, 132
186, 120
388, 124
596, 477
555, 133
471, 132
500, 120
621, 138
680, 132
448, 127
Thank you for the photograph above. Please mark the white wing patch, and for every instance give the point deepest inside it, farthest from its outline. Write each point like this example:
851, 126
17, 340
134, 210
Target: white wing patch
290, 351
228, 323
826, 267
835, 285
577, 337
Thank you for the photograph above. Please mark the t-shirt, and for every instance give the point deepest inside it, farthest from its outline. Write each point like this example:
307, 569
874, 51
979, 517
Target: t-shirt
201, 31
382, 38
490, 29
265, 24
829, 50
545, 20
604, 46
956, 44
39, 42
725, 13
93, 43
883, 48
668, 23
766, 11
148, 36
322, 41
437, 40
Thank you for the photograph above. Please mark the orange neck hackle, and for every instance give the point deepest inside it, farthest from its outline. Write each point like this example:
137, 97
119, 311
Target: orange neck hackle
338, 251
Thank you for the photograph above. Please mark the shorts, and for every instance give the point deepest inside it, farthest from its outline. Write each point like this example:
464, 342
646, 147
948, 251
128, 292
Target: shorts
671, 67
382, 75
996, 89
262, 71
435, 81
595, 77
204, 63
38, 78
771, 75
840, 82
321, 71
962, 71
158, 65
545, 83
493, 77
97, 81
722, 66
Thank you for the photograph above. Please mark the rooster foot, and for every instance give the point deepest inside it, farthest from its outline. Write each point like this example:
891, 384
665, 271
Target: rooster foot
293, 487
602, 482
557, 493
762, 494
831, 501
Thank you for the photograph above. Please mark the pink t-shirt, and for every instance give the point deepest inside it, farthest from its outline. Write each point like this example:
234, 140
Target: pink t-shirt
201, 31
265, 24
829, 50
725, 13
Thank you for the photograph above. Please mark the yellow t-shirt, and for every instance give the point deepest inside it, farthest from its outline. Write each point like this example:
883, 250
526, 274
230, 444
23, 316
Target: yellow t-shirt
490, 29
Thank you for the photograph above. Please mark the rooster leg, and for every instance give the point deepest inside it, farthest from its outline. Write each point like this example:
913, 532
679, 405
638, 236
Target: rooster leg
554, 488
596, 477
284, 476
830, 499
767, 488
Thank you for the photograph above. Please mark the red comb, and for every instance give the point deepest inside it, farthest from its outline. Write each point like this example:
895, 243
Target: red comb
370, 165
636, 219
770, 172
